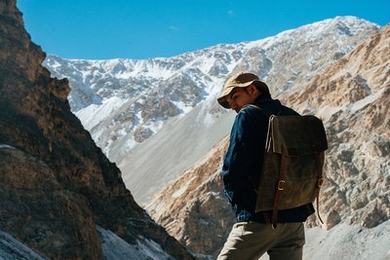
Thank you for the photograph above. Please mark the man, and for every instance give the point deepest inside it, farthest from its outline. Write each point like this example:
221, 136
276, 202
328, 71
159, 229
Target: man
253, 234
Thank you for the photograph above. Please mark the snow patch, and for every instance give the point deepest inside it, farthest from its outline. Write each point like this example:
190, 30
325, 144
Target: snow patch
6, 146
181, 191
54, 64
115, 247
130, 144
10, 248
94, 114
205, 65
139, 117
215, 88
327, 111
155, 125
147, 68
182, 106
364, 101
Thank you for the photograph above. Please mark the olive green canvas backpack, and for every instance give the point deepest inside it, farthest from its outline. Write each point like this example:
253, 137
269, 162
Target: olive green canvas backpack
293, 161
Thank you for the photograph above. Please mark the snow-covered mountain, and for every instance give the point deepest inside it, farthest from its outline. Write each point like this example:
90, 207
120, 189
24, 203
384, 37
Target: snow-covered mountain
168, 104
123, 102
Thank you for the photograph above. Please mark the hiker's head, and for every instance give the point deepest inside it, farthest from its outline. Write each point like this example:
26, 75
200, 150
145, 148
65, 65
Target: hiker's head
241, 89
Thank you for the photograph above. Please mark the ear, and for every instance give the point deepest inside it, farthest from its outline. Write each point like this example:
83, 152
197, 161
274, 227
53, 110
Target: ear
254, 91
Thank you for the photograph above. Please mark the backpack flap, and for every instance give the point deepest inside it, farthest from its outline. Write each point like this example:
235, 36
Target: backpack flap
296, 135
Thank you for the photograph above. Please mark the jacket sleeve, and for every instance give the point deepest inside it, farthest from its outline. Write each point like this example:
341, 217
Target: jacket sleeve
243, 160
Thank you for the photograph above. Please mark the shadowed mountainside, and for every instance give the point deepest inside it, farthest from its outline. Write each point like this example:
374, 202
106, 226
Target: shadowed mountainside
56, 184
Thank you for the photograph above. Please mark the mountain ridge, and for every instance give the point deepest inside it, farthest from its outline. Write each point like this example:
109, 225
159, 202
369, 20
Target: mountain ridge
136, 111
200, 73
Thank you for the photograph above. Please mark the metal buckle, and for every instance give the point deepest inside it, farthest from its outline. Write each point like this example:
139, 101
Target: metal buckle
281, 184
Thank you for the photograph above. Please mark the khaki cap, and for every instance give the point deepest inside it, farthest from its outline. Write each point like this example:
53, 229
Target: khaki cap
240, 80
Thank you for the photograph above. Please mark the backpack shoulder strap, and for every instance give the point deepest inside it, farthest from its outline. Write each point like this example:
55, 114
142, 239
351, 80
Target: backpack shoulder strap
270, 117
266, 113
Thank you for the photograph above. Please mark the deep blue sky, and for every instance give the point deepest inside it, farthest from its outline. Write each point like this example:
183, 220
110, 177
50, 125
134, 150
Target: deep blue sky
102, 29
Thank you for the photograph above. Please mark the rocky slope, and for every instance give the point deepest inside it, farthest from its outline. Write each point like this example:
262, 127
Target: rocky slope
193, 205
124, 103
56, 184
351, 96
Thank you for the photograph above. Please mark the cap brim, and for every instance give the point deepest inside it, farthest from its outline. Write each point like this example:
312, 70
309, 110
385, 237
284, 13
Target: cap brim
222, 98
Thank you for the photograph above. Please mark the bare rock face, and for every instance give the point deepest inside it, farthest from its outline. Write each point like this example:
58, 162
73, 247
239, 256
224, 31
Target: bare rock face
193, 208
44, 215
351, 96
56, 184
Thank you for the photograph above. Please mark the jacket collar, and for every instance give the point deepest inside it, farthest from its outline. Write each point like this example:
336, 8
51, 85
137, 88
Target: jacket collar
260, 100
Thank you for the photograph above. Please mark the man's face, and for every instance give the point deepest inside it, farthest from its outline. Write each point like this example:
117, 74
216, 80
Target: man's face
240, 97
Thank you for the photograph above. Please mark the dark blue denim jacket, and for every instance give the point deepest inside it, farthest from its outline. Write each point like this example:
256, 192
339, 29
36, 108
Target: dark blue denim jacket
242, 167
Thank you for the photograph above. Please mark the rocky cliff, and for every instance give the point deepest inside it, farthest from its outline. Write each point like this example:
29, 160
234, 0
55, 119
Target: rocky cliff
56, 184
351, 96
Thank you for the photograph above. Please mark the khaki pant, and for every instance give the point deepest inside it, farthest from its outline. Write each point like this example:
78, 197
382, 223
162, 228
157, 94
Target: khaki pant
250, 240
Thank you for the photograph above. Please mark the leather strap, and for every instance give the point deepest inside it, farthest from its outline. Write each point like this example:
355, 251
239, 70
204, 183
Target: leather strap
281, 181
279, 188
319, 184
269, 138
318, 204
